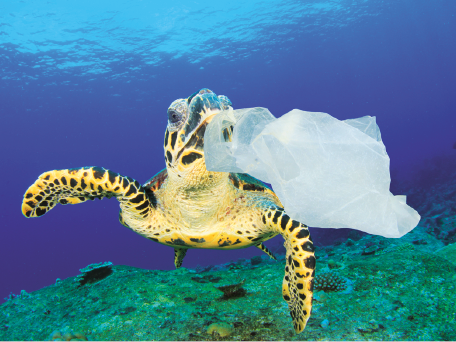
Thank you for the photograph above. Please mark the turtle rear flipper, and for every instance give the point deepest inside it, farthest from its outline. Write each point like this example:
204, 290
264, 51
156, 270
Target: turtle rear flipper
179, 255
266, 250
297, 286
73, 186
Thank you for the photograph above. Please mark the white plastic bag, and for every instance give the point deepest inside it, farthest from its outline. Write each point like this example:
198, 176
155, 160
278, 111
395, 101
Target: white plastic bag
327, 173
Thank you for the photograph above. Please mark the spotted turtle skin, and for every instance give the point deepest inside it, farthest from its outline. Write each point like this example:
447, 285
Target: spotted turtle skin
186, 206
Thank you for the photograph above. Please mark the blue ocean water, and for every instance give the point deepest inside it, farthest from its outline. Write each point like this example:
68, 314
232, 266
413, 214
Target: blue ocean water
89, 83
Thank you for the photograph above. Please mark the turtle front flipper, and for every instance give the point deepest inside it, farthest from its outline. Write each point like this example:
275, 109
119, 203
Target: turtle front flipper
73, 186
297, 286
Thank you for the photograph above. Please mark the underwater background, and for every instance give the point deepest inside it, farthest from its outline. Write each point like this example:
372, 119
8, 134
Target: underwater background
87, 83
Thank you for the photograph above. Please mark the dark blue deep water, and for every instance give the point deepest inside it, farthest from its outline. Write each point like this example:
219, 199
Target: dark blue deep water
89, 82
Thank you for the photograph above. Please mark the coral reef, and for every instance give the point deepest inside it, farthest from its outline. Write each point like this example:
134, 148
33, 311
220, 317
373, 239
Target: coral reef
221, 329
334, 264
329, 282
93, 273
406, 294
232, 291
448, 252
67, 335
22, 295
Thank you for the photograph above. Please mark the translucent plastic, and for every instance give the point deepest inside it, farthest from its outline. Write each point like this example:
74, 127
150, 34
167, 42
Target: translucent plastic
327, 173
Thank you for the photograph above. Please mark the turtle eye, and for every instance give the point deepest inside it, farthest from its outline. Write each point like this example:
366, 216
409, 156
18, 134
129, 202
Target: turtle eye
174, 116
177, 113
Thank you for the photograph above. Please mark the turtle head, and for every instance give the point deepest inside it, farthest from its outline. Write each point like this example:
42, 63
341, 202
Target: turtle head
187, 121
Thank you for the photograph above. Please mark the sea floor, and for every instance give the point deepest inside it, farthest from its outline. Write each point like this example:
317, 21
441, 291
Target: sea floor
393, 289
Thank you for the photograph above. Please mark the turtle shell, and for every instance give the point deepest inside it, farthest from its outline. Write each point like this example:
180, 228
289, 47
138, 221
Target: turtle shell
241, 181
244, 181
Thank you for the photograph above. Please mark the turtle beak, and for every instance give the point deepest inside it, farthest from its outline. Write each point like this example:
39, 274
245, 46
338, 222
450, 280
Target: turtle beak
209, 118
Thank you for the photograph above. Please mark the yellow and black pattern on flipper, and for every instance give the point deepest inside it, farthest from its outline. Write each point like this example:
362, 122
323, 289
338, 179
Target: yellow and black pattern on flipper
297, 286
179, 255
266, 250
73, 186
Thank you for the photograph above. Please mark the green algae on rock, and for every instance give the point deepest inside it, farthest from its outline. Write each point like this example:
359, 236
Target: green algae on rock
406, 295
94, 272
232, 291
220, 328
448, 252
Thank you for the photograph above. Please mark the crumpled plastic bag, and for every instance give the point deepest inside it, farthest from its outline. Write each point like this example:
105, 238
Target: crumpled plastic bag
327, 173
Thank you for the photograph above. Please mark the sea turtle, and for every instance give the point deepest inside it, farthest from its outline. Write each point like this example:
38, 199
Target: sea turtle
185, 206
